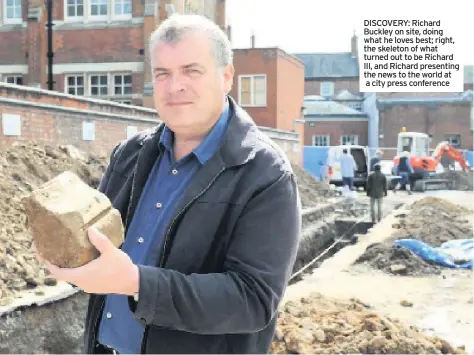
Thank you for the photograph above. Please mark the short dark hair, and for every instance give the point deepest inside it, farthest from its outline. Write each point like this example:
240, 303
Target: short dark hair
344, 151
377, 167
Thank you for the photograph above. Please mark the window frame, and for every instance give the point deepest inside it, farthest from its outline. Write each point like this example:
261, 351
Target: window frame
68, 18
84, 86
112, 83
325, 136
89, 86
11, 21
252, 94
110, 4
349, 135
15, 76
121, 16
331, 84
458, 136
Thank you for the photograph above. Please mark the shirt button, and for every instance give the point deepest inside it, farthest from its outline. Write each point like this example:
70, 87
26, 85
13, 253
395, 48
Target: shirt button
174, 171
140, 240
109, 315
159, 205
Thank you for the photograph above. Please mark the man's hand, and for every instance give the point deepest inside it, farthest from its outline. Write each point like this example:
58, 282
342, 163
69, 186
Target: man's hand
112, 272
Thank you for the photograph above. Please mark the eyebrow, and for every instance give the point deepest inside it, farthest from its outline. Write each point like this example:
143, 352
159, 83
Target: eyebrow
187, 66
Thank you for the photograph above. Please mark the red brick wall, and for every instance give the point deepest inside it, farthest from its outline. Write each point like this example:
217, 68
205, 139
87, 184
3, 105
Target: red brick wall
335, 130
312, 86
290, 90
446, 119
13, 47
57, 125
258, 61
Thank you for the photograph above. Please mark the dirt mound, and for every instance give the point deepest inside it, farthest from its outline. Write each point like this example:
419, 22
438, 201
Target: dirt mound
396, 261
433, 221
312, 191
23, 168
320, 325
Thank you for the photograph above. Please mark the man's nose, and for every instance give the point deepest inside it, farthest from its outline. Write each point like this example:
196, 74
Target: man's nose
175, 84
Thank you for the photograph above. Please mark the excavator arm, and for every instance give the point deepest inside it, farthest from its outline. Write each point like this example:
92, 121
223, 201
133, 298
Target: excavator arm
444, 148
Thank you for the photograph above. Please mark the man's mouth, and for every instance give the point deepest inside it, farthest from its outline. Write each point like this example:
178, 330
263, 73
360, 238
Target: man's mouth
179, 103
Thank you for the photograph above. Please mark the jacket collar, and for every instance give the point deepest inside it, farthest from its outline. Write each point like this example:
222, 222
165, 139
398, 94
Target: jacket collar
238, 143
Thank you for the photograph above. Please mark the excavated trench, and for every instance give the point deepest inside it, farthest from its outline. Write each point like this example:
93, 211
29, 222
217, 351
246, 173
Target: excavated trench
324, 225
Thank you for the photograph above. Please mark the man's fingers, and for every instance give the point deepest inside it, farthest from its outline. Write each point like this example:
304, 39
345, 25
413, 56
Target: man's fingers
99, 240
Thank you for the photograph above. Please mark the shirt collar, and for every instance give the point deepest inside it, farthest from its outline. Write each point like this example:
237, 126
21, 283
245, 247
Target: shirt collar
209, 145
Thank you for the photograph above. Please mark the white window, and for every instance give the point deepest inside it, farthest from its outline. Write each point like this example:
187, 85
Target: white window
123, 8
253, 90
99, 85
14, 79
88, 131
99, 9
74, 9
74, 85
350, 139
123, 84
125, 102
326, 89
321, 140
12, 11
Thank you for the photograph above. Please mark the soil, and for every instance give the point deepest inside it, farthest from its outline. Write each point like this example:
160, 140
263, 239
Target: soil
321, 325
432, 220
312, 191
23, 168
462, 180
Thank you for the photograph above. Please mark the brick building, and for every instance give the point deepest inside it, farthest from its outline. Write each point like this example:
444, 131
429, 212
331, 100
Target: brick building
269, 85
100, 46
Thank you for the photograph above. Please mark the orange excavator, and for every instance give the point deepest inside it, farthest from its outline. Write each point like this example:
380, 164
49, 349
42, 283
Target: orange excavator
424, 164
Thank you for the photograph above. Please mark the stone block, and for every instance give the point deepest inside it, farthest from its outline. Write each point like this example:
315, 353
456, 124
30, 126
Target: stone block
59, 214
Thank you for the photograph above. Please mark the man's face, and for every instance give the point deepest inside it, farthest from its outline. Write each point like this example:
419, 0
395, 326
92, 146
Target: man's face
189, 88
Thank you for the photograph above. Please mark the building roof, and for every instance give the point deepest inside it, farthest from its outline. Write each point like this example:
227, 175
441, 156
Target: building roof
346, 95
325, 108
309, 98
468, 74
329, 65
425, 101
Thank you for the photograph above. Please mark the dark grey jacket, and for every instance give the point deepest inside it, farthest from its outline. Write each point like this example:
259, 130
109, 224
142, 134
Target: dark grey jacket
376, 185
228, 252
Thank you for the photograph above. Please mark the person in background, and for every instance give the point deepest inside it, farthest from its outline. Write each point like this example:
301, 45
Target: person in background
376, 159
404, 169
348, 167
376, 190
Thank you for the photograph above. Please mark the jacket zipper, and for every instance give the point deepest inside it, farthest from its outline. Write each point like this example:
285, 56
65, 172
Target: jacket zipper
167, 235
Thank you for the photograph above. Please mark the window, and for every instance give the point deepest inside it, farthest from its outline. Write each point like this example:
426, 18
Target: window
122, 84
321, 140
75, 9
99, 8
454, 140
131, 131
123, 8
11, 124
75, 85
12, 11
350, 140
14, 79
99, 85
125, 102
326, 89
355, 105
253, 90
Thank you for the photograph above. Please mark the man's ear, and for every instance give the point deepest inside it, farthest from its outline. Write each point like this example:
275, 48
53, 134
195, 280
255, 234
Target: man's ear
228, 73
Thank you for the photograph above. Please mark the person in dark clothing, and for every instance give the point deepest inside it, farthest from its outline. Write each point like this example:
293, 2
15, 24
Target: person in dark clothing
376, 190
375, 160
404, 169
211, 212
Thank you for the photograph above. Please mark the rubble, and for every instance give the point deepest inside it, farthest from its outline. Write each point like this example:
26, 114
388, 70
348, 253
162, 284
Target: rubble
432, 220
322, 325
312, 191
59, 215
23, 168
462, 180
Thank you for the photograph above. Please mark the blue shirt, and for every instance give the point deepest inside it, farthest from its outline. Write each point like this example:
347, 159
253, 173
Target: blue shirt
348, 165
164, 187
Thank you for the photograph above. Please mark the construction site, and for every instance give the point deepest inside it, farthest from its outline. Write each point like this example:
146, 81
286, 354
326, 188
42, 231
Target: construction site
352, 290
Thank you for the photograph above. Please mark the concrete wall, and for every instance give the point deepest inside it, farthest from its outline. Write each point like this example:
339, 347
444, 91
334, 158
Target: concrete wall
56, 118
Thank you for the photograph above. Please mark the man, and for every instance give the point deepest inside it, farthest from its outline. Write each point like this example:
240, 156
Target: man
404, 169
376, 190
211, 211
348, 167
376, 160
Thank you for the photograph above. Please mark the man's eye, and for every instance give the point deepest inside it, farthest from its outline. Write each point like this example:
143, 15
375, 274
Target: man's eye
192, 71
160, 76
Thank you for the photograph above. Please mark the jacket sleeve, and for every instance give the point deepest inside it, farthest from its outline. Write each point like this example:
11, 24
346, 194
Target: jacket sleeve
369, 184
384, 180
246, 295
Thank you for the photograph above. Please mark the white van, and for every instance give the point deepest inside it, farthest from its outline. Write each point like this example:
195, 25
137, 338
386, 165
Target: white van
361, 157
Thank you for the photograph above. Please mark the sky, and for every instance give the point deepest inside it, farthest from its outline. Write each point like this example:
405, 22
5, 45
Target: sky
306, 26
